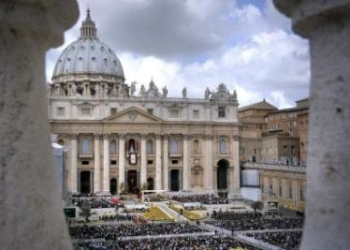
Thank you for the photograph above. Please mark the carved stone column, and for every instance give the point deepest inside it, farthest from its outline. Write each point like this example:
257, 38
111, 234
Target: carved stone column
143, 175
73, 165
97, 180
186, 172
235, 185
27, 174
165, 162
327, 26
158, 163
209, 167
106, 164
121, 166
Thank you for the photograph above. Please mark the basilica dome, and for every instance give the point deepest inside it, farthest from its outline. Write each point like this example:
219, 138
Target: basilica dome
88, 56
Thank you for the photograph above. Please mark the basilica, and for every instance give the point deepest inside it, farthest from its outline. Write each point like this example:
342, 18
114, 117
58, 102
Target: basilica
121, 139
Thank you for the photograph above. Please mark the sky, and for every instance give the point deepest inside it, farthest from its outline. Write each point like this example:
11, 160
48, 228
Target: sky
245, 44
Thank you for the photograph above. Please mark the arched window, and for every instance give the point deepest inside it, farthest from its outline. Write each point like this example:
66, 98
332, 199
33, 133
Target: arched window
149, 147
113, 147
222, 146
174, 146
85, 146
196, 146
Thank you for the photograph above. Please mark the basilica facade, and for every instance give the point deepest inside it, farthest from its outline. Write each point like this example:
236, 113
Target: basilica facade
122, 139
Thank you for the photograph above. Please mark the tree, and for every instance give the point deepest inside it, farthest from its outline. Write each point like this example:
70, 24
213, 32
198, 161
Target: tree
86, 211
257, 205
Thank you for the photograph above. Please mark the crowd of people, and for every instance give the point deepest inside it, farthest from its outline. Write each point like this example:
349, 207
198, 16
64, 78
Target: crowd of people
258, 224
94, 202
286, 240
231, 215
207, 199
173, 243
112, 232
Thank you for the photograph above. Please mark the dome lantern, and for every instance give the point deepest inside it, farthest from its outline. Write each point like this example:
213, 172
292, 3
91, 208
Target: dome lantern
88, 28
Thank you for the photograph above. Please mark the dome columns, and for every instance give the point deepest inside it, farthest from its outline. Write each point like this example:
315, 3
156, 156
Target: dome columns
327, 26
28, 181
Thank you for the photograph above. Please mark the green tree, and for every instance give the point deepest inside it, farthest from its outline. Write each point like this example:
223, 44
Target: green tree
257, 205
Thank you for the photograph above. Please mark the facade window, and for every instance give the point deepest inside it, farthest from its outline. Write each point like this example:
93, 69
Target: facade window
113, 147
302, 198
174, 146
222, 112
149, 147
223, 146
196, 146
60, 111
280, 191
113, 111
86, 111
85, 146
196, 114
150, 111
174, 113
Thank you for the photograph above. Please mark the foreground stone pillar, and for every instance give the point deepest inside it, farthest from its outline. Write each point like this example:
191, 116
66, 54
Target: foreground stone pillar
327, 25
30, 205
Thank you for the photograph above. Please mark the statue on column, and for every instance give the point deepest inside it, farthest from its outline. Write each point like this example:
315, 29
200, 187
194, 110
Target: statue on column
165, 92
132, 88
184, 92
207, 94
142, 90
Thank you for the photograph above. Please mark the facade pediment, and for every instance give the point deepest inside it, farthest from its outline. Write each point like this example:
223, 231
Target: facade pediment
133, 115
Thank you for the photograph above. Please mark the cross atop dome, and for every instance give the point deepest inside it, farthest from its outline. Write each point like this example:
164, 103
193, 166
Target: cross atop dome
88, 28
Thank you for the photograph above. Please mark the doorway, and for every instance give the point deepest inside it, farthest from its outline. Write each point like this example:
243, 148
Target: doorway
132, 181
175, 180
85, 182
113, 186
222, 174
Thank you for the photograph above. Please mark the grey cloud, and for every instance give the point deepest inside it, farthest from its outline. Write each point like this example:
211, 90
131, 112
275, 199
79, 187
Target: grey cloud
166, 29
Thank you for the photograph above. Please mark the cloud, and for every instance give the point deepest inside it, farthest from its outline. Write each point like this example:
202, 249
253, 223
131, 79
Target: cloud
198, 44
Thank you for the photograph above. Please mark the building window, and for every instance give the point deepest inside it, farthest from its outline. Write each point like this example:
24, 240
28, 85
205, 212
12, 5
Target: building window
222, 146
86, 111
174, 146
280, 191
150, 111
149, 147
149, 162
196, 114
85, 146
174, 113
113, 147
302, 198
222, 112
113, 162
60, 111
113, 111
196, 146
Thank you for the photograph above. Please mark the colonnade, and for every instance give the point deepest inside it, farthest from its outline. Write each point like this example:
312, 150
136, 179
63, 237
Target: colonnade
161, 159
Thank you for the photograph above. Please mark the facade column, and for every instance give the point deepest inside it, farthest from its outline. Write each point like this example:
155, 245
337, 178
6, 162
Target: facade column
165, 162
121, 167
74, 167
327, 26
97, 180
158, 185
208, 166
235, 173
186, 172
28, 181
143, 175
106, 163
